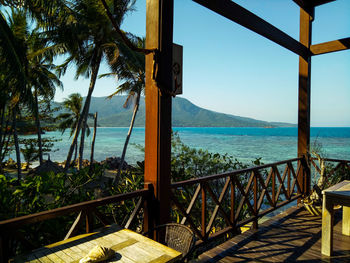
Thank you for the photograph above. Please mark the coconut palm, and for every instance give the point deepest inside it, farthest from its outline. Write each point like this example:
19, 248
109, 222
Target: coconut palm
130, 68
88, 41
93, 143
14, 58
4, 119
41, 81
69, 119
12, 53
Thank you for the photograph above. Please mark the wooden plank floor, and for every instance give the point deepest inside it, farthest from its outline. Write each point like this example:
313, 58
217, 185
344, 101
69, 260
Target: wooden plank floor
294, 236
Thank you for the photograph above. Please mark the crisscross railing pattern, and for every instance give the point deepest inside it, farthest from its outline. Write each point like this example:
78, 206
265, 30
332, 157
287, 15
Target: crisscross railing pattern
218, 204
333, 170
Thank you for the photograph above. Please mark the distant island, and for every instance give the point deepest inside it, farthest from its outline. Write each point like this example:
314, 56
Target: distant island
185, 114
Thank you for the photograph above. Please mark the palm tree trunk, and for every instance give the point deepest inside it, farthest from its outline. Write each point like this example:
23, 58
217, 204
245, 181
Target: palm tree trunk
93, 78
93, 142
2, 135
15, 138
75, 152
82, 143
5, 142
38, 128
136, 108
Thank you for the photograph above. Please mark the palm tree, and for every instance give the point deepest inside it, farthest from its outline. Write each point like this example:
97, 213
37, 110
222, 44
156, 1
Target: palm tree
43, 86
13, 54
69, 119
41, 81
4, 118
130, 68
93, 142
88, 41
12, 51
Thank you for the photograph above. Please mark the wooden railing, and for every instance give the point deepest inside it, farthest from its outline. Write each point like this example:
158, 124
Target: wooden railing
87, 213
334, 170
213, 206
216, 205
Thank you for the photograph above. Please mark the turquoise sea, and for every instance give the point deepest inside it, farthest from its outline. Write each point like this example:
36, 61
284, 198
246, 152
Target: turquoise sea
245, 144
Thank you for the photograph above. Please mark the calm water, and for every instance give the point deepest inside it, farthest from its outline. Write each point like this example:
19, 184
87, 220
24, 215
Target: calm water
245, 144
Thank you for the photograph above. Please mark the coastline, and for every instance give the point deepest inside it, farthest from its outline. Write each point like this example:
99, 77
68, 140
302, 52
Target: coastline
243, 143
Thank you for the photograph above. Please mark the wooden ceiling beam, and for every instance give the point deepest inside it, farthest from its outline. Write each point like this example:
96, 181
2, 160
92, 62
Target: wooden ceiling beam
311, 3
331, 46
242, 16
321, 2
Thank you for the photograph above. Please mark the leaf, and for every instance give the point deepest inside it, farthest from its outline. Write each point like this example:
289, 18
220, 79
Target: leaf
17, 192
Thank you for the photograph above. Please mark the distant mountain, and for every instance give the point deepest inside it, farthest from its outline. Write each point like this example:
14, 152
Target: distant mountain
185, 114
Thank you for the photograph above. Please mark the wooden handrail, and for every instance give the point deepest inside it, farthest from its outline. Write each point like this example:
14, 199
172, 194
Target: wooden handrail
233, 173
45, 215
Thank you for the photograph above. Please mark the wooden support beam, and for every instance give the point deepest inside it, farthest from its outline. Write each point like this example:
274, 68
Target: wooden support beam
89, 221
331, 46
242, 16
159, 35
304, 91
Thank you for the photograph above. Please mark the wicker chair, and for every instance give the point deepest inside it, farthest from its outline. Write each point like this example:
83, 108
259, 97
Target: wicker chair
178, 237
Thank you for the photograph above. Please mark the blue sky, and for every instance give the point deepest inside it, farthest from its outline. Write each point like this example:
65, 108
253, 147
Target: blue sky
228, 68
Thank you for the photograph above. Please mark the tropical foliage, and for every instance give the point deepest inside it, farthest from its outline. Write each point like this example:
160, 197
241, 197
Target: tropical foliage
87, 42
22, 93
34, 33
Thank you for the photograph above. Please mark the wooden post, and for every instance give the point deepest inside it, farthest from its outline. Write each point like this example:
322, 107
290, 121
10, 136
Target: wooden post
159, 35
233, 200
304, 92
148, 220
255, 222
273, 190
204, 212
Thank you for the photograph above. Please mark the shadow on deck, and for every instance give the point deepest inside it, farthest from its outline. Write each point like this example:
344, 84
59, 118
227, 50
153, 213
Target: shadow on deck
293, 236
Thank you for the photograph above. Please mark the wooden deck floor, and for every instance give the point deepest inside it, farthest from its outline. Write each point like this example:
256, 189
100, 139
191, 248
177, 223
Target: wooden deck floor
294, 236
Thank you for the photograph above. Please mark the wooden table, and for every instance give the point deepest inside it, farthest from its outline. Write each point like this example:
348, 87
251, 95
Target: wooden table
129, 247
337, 194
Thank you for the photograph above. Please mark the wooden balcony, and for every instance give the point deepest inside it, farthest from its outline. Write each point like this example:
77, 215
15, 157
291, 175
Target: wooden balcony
215, 207
292, 236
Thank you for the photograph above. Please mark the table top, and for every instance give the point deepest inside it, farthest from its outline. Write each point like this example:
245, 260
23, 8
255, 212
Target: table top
341, 189
129, 247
